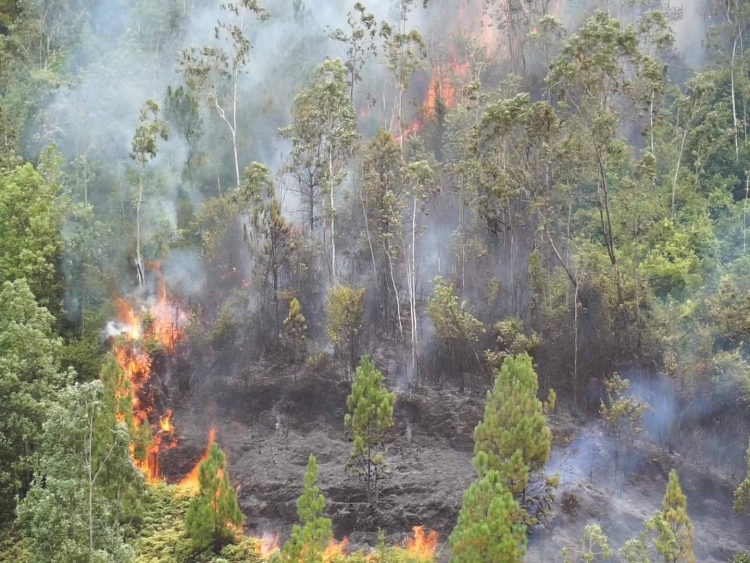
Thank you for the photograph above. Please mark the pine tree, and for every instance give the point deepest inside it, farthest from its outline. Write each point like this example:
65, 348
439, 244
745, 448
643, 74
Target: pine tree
674, 540
490, 526
308, 542
214, 514
369, 418
296, 327
514, 433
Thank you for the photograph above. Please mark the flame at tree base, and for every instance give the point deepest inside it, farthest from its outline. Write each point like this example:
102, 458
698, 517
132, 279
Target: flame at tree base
422, 546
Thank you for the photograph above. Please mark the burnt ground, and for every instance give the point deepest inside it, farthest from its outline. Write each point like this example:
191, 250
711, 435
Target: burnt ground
269, 428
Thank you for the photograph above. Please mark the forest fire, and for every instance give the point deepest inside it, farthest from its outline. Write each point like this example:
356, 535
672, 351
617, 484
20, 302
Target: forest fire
190, 482
157, 328
441, 94
422, 546
335, 549
267, 544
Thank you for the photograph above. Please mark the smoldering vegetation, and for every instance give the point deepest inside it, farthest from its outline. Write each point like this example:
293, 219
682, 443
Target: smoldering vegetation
500, 247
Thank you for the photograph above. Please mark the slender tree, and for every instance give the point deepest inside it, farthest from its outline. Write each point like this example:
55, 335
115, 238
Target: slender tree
370, 415
214, 515
144, 149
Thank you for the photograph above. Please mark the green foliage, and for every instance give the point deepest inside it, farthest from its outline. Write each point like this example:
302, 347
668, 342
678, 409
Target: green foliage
214, 514
70, 512
30, 233
514, 436
490, 524
511, 341
594, 546
622, 415
672, 526
370, 416
346, 311
30, 380
296, 328
309, 541
452, 322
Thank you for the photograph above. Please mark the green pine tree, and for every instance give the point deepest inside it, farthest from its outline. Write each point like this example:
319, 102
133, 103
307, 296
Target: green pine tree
490, 526
674, 530
514, 433
213, 515
369, 418
308, 542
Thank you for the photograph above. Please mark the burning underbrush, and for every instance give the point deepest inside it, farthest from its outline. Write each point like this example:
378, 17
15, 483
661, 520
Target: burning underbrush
161, 536
144, 340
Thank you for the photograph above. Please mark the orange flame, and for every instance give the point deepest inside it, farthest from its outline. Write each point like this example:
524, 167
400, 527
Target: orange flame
335, 549
165, 423
190, 482
161, 324
422, 546
267, 544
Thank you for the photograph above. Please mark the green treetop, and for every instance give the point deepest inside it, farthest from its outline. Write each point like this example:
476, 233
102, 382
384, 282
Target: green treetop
370, 416
309, 541
514, 433
674, 540
214, 514
490, 526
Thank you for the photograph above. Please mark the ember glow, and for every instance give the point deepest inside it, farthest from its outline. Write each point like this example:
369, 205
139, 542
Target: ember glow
422, 546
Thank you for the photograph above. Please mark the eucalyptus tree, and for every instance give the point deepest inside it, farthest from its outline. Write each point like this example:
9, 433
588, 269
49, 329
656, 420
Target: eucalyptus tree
360, 42
382, 206
323, 135
144, 149
405, 54
182, 112
213, 72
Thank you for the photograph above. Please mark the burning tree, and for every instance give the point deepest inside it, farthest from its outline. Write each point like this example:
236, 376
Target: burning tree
308, 542
214, 515
369, 418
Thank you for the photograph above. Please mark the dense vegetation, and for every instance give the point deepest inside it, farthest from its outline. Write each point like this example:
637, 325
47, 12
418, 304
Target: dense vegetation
494, 197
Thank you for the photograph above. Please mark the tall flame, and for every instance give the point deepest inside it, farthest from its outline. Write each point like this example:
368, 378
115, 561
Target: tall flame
335, 549
161, 323
422, 546
190, 482
267, 544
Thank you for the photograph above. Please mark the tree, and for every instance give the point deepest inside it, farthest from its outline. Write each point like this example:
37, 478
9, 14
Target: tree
267, 222
214, 515
594, 546
672, 525
490, 525
30, 244
370, 415
323, 135
309, 541
30, 379
359, 43
514, 434
346, 311
144, 149
383, 186
404, 55
182, 111
69, 514
622, 415
296, 327
214, 73
454, 324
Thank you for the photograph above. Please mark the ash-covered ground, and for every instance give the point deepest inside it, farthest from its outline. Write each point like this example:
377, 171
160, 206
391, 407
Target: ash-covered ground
269, 427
